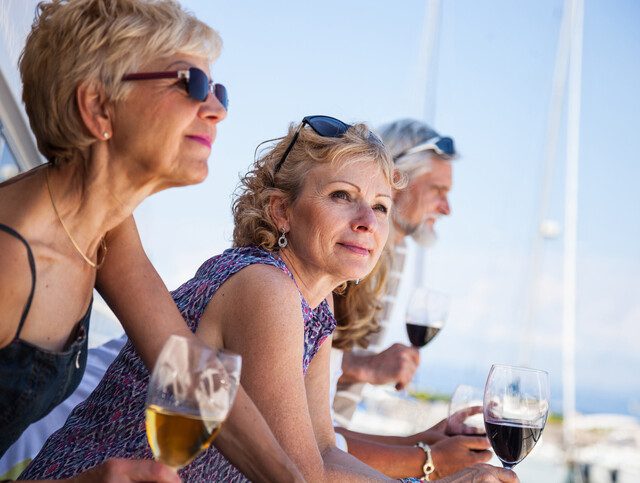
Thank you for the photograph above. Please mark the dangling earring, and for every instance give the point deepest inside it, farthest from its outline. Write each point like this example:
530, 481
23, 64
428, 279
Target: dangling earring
356, 281
282, 241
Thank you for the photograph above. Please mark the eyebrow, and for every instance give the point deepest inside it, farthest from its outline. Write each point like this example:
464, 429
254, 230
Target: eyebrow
179, 63
441, 186
356, 187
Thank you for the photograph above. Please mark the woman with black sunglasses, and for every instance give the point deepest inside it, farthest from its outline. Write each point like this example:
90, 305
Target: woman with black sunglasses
311, 215
67, 227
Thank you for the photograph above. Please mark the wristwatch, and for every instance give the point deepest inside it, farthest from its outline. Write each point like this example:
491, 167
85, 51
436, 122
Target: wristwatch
428, 466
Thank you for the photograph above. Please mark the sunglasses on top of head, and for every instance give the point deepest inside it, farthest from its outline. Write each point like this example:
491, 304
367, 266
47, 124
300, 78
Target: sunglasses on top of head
442, 146
196, 83
325, 126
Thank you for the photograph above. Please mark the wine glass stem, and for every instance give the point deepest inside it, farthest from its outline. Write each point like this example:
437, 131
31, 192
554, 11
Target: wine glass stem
508, 466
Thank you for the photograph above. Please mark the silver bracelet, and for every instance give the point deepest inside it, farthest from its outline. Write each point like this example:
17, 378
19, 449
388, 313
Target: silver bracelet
428, 466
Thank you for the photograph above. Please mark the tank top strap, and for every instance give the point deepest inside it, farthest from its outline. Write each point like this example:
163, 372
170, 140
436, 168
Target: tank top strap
32, 267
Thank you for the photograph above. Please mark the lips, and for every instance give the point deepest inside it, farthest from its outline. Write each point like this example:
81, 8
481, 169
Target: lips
357, 249
202, 139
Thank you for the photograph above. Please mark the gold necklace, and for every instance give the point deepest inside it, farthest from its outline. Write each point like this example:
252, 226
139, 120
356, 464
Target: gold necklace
103, 243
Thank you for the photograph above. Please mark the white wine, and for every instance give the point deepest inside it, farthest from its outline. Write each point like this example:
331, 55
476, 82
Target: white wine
176, 439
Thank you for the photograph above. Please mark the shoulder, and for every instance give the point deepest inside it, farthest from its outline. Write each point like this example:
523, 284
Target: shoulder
266, 284
257, 296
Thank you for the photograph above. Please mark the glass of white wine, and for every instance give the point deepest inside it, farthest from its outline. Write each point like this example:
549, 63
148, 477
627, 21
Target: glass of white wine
191, 391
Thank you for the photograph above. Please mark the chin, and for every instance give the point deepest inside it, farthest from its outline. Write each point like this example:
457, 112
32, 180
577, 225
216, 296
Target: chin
197, 174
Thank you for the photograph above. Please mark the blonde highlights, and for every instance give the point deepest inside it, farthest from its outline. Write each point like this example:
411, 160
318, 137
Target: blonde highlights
97, 41
357, 307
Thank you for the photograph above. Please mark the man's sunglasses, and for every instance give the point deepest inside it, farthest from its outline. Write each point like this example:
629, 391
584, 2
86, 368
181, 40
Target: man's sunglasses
442, 146
325, 126
196, 83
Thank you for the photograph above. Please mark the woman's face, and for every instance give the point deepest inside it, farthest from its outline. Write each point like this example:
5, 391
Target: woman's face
161, 133
339, 224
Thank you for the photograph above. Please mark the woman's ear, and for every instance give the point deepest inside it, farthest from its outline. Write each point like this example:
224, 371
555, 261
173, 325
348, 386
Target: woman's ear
279, 211
94, 110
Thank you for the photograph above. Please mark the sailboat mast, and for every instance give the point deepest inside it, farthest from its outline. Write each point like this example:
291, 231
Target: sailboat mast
571, 222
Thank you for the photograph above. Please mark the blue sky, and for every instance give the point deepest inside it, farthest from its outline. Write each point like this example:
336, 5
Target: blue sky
360, 60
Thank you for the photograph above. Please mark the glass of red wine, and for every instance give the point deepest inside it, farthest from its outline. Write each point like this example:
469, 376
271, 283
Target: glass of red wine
426, 315
516, 404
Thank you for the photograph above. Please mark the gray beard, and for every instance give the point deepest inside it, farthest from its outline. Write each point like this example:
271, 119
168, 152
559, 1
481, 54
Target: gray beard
422, 233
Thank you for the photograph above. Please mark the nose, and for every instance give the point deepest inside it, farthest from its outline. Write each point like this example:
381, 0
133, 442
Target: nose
212, 110
444, 208
365, 219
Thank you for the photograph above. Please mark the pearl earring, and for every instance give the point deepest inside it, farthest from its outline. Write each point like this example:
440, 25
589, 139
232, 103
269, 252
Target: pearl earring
106, 135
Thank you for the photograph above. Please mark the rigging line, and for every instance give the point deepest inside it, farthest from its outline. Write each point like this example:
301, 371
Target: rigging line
556, 103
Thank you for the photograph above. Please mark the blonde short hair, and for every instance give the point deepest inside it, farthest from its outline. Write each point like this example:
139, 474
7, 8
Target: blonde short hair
76, 41
251, 208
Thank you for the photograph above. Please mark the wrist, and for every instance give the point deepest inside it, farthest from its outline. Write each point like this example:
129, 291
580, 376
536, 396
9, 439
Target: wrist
356, 367
428, 468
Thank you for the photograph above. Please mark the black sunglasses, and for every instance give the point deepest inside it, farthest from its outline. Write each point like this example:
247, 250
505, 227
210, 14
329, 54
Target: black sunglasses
325, 126
196, 83
442, 146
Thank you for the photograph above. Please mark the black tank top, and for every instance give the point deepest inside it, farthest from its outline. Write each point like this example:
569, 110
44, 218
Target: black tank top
33, 380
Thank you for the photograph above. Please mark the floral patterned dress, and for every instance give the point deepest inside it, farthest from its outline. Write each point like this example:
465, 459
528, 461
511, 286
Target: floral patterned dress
110, 423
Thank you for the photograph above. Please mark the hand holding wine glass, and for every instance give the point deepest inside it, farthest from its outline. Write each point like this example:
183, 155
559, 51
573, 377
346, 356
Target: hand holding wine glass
191, 391
426, 315
516, 404
465, 411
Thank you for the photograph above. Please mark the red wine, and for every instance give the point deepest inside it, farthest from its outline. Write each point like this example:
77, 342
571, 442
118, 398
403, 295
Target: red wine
511, 440
421, 335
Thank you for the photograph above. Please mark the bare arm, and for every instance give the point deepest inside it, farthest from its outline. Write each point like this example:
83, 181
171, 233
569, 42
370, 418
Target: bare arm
450, 454
340, 465
268, 333
137, 295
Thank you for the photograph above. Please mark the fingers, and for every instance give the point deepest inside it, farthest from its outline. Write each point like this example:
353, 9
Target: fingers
139, 470
469, 411
473, 442
501, 474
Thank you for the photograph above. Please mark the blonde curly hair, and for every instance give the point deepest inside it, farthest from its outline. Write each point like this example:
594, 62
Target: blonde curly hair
254, 224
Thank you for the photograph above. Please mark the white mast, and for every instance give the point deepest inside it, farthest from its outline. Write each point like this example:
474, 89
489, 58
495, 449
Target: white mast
571, 221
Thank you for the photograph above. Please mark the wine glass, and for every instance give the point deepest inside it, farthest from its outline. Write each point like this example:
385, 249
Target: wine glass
516, 404
426, 314
190, 393
465, 411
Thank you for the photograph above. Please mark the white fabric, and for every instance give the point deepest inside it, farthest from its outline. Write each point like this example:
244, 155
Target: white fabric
335, 363
393, 327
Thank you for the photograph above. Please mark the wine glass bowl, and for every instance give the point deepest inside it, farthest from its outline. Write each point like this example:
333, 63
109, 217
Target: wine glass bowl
516, 405
190, 393
426, 315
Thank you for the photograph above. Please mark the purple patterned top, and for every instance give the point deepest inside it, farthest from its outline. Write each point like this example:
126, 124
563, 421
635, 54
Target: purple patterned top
110, 423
